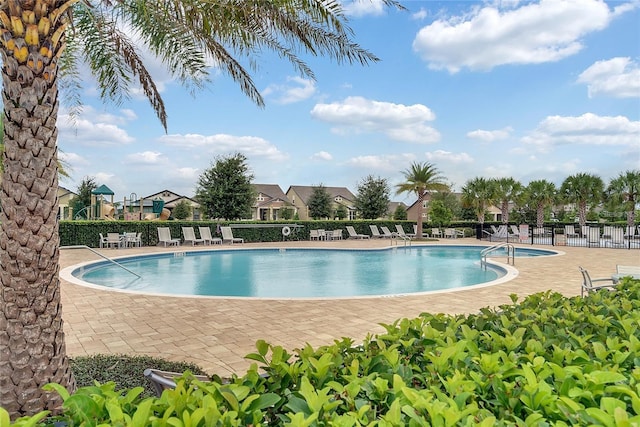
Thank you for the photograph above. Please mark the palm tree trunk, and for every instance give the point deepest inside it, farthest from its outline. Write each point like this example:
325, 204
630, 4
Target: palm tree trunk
582, 213
31, 330
420, 210
540, 216
505, 211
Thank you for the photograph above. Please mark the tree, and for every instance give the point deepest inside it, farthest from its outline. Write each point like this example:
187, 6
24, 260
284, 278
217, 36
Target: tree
82, 201
421, 179
225, 190
625, 189
319, 203
187, 36
478, 194
540, 193
439, 213
286, 212
583, 189
341, 212
506, 190
400, 214
372, 200
182, 210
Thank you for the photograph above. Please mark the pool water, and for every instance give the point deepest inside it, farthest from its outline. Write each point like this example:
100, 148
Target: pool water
296, 273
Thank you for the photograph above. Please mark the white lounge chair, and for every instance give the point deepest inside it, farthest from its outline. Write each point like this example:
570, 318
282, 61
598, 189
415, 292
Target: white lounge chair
189, 235
374, 231
499, 233
164, 237
205, 234
227, 236
617, 238
570, 231
386, 233
590, 285
400, 231
354, 235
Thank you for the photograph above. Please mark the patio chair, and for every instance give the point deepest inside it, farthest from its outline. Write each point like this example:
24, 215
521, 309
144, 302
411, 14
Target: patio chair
617, 238
590, 285
114, 240
386, 233
189, 235
103, 241
227, 236
132, 239
375, 232
313, 235
205, 235
164, 237
570, 231
335, 234
163, 380
402, 233
354, 235
436, 232
632, 271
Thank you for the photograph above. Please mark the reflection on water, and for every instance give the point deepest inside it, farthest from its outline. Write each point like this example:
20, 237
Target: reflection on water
298, 272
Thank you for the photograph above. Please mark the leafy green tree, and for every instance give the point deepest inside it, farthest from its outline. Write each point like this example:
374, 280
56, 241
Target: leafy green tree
319, 203
451, 202
82, 202
400, 214
421, 179
478, 194
341, 212
372, 200
540, 194
45, 39
224, 190
625, 190
583, 189
182, 210
286, 212
506, 190
439, 213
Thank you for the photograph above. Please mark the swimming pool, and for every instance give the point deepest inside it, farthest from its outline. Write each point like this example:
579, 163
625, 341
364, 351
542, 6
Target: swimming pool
299, 273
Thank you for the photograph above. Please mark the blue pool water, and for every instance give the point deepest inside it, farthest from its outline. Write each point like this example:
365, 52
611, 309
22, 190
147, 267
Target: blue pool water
296, 273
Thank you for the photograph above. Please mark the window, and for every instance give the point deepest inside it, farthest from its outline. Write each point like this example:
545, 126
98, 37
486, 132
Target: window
424, 204
260, 198
338, 199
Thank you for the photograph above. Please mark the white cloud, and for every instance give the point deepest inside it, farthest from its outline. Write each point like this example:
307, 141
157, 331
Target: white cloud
420, 15
322, 155
490, 36
146, 158
616, 77
588, 129
383, 163
448, 156
72, 159
360, 8
490, 135
91, 127
400, 122
250, 146
185, 174
297, 89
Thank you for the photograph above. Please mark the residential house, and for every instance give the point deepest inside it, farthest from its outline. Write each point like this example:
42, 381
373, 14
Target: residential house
65, 210
270, 200
493, 213
299, 196
391, 210
170, 200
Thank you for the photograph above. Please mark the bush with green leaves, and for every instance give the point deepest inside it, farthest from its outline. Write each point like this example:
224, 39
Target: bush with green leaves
548, 360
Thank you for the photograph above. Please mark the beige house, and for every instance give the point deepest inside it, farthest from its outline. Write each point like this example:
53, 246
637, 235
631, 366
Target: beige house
65, 210
270, 200
494, 213
170, 199
299, 196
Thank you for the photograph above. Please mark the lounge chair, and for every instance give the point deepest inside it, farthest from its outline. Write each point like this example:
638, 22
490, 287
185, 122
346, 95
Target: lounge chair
386, 233
570, 231
630, 233
499, 233
227, 236
164, 237
617, 238
590, 285
354, 235
188, 235
205, 234
375, 232
402, 233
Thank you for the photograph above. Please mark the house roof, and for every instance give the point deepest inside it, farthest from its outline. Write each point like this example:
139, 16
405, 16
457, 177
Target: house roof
305, 191
103, 190
271, 190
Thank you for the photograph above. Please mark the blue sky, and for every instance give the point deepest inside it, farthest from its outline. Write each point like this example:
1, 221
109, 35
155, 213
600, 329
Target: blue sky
528, 90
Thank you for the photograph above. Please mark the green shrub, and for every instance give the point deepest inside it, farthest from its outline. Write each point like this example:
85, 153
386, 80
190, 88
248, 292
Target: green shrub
549, 360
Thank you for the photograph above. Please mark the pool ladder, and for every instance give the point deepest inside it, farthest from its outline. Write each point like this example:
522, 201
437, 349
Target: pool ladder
102, 256
511, 253
405, 239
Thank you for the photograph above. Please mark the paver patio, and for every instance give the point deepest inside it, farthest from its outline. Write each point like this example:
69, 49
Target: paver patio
216, 333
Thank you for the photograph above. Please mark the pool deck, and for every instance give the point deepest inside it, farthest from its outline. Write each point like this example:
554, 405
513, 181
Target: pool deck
216, 333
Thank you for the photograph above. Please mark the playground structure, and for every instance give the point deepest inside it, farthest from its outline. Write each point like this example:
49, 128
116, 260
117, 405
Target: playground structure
100, 207
103, 208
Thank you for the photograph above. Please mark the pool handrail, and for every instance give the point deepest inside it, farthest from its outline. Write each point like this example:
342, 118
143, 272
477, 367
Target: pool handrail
102, 256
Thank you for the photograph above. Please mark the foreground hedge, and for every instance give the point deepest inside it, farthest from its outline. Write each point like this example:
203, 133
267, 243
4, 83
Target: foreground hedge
548, 360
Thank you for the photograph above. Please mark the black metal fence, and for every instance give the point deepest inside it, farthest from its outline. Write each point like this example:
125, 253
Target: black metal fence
593, 235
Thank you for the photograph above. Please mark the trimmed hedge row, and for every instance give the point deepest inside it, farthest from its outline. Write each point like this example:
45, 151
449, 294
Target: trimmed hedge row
549, 360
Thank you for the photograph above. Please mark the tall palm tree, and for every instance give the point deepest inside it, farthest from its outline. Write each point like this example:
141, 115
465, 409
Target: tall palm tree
40, 40
583, 189
478, 194
625, 189
421, 179
540, 193
506, 190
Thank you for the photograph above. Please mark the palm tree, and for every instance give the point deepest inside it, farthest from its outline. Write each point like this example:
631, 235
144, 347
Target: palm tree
582, 189
540, 193
506, 190
625, 189
421, 179
478, 194
44, 39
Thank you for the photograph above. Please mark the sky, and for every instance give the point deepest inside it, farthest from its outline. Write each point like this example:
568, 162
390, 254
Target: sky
528, 90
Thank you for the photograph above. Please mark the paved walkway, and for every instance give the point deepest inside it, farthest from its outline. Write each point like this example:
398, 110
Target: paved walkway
216, 333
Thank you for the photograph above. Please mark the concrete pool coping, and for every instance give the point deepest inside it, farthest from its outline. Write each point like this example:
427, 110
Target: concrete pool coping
216, 333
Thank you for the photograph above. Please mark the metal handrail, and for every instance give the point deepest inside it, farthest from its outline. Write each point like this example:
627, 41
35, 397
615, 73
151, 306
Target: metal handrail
102, 256
511, 253
399, 236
